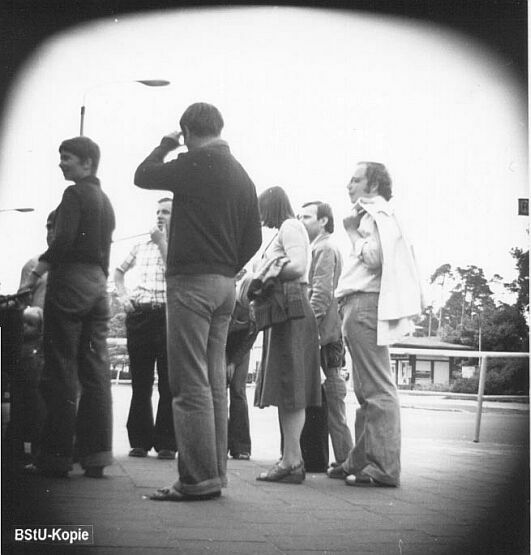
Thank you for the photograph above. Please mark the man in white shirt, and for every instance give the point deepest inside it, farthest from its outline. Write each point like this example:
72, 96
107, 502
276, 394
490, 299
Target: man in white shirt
145, 309
378, 292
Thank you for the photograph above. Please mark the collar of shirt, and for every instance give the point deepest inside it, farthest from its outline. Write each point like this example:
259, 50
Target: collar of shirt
216, 143
90, 179
375, 204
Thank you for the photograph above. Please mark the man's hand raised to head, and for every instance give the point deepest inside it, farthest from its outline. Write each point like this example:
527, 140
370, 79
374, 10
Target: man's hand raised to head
159, 236
352, 222
172, 140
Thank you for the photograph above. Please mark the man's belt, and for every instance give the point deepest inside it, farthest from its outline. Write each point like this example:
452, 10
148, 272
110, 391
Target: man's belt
346, 298
148, 307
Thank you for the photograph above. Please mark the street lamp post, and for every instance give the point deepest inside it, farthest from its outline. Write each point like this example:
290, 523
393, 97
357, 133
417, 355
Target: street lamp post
146, 82
28, 209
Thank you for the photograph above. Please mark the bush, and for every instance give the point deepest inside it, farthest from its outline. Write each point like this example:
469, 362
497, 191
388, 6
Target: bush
465, 385
504, 377
507, 377
429, 387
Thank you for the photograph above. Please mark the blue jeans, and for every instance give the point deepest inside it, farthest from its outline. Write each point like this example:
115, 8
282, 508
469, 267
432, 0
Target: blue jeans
76, 315
377, 428
198, 311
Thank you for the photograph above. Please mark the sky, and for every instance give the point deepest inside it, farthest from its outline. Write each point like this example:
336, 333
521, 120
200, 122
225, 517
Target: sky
305, 94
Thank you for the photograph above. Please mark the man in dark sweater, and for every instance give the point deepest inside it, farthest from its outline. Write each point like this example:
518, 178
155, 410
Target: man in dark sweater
214, 231
76, 377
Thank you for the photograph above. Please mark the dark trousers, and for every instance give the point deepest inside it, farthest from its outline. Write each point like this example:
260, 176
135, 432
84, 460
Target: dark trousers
314, 437
239, 438
76, 385
11, 345
26, 399
11, 348
146, 343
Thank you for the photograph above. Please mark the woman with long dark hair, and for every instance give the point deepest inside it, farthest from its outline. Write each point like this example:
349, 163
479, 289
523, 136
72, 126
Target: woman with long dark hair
289, 375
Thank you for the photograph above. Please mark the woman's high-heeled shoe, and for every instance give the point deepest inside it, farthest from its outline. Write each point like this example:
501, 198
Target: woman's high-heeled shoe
291, 475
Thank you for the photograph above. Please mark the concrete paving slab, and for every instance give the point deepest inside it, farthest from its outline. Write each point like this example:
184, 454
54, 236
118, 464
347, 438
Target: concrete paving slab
456, 497
134, 550
246, 548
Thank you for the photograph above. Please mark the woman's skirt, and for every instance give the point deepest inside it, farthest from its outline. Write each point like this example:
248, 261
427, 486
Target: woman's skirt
289, 374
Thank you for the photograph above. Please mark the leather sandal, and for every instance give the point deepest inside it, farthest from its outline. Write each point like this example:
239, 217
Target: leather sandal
171, 494
291, 475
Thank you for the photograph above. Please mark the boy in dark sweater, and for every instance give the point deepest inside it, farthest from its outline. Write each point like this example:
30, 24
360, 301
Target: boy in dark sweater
76, 378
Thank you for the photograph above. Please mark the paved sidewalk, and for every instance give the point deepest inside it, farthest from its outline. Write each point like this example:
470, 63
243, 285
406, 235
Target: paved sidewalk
456, 497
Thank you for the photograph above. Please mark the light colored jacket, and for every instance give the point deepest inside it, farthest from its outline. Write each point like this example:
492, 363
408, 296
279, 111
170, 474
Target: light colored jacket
401, 296
325, 269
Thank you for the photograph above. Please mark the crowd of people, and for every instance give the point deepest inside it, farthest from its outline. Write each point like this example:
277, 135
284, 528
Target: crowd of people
207, 287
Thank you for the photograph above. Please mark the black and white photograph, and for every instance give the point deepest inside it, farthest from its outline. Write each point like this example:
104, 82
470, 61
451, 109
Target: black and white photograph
265, 278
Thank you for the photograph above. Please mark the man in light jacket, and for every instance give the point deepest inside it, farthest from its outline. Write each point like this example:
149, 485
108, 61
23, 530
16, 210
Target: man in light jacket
379, 292
325, 270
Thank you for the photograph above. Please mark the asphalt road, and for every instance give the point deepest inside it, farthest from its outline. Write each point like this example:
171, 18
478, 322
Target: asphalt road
431, 418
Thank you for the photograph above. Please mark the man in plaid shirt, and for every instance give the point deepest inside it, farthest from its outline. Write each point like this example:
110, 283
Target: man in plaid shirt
145, 308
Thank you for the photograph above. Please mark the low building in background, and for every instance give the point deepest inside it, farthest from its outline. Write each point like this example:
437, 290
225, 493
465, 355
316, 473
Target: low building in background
429, 367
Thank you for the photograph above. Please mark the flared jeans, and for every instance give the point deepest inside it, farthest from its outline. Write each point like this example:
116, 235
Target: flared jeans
377, 429
76, 379
198, 314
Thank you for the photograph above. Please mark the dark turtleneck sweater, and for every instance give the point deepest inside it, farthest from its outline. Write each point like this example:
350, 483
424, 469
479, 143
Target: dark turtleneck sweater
83, 226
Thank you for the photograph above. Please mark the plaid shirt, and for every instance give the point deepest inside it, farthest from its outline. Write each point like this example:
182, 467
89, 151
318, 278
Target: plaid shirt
151, 287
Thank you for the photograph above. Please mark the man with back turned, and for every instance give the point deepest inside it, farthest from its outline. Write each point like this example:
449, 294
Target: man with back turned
214, 231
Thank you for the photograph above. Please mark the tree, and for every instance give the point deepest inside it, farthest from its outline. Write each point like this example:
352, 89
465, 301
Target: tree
520, 285
117, 321
476, 293
441, 274
117, 325
505, 329
473, 318
428, 324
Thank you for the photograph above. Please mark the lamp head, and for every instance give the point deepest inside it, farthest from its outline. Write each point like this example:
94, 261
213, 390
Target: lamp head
153, 82
17, 209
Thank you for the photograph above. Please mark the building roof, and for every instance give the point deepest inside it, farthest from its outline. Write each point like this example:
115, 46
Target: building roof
430, 343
